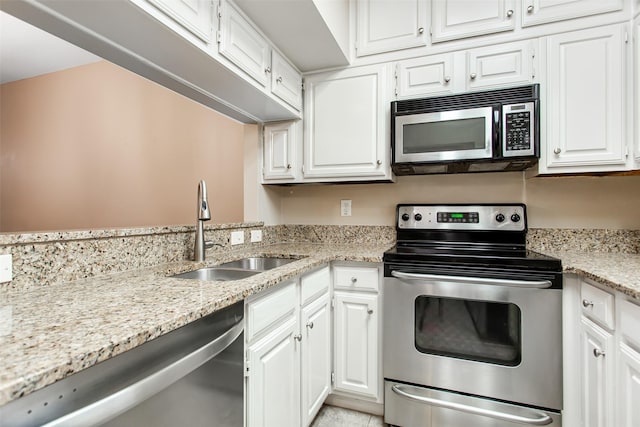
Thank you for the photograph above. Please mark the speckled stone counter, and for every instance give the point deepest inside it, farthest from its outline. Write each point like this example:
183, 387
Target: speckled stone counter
50, 332
618, 271
608, 257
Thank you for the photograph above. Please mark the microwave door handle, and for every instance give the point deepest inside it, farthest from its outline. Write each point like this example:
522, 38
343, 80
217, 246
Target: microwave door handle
536, 284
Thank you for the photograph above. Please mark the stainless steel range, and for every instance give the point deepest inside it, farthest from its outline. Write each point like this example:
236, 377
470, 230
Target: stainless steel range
472, 320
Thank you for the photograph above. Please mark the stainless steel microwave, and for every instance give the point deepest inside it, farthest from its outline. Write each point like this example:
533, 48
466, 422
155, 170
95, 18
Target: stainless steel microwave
496, 130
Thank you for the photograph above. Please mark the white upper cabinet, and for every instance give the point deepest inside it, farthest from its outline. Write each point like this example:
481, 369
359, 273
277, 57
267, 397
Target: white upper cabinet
388, 25
242, 44
194, 15
346, 131
636, 83
586, 90
286, 81
280, 160
537, 12
501, 65
455, 19
428, 75
482, 68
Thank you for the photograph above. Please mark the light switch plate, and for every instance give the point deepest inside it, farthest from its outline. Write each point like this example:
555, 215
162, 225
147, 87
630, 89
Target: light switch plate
6, 270
256, 235
345, 207
237, 237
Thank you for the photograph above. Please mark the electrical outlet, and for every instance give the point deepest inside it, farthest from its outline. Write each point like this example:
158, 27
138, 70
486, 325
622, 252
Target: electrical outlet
256, 235
237, 237
345, 207
6, 271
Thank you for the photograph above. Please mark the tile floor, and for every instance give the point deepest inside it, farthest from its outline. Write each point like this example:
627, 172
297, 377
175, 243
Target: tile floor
332, 416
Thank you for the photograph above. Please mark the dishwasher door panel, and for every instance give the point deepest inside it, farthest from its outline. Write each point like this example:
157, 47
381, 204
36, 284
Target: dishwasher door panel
209, 396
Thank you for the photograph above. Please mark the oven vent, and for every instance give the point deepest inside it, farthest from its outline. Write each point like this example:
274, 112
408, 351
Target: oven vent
472, 99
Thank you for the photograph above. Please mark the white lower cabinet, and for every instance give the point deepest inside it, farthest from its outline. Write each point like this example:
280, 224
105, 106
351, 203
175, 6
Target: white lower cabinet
316, 356
273, 386
288, 352
357, 341
602, 378
597, 374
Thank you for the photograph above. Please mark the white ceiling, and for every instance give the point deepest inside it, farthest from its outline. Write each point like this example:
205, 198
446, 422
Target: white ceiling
27, 51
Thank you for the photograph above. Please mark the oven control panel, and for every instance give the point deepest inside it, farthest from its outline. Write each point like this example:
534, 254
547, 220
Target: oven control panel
462, 217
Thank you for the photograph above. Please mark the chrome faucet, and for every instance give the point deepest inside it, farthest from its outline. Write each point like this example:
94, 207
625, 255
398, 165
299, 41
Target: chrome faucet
203, 215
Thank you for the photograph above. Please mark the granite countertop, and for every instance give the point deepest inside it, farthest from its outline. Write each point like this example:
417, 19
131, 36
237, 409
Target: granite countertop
48, 333
619, 271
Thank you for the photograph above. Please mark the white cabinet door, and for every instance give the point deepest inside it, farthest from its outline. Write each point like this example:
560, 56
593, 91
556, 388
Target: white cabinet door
194, 15
597, 358
628, 388
456, 19
346, 131
356, 343
316, 356
537, 12
242, 44
280, 161
387, 25
636, 82
424, 76
286, 81
273, 386
500, 65
586, 91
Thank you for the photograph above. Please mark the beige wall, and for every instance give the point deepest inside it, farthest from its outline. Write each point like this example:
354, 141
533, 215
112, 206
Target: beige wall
97, 146
567, 202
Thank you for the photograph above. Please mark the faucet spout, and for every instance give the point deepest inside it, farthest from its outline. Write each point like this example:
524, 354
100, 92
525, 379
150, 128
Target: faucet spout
203, 204
204, 214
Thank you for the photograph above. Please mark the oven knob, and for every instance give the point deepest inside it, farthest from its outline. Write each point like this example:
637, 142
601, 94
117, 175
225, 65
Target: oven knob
499, 217
417, 217
515, 217
405, 217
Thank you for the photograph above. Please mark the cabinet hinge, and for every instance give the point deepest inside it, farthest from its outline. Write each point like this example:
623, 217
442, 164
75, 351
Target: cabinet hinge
333, 377
626, 36
218, 36
626, 152
302, 86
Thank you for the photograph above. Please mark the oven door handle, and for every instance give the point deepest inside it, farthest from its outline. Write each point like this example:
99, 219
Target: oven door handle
541, 419
537, 284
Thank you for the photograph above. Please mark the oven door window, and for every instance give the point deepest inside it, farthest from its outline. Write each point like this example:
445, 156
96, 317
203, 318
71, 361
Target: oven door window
474, 330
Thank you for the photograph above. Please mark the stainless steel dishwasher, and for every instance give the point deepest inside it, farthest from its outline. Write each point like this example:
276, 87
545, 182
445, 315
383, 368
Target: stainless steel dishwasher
191, 376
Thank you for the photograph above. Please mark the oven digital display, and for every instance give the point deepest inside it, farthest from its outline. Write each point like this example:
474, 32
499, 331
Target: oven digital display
468, 217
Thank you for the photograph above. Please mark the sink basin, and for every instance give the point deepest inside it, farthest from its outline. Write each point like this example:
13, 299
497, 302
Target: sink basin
257, 263
216, 273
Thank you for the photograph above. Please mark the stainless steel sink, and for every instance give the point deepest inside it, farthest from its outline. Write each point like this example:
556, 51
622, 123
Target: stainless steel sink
216, 273
257, 263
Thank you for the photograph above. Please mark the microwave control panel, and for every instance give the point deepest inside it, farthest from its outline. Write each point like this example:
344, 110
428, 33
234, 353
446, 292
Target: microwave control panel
518, 129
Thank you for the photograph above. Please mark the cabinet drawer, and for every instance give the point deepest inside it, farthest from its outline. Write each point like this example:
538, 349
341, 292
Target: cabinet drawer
597, 304
356, 278
267, 311
630, 322
314, 284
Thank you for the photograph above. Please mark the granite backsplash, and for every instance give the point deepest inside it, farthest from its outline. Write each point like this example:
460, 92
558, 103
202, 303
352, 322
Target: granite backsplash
49, 258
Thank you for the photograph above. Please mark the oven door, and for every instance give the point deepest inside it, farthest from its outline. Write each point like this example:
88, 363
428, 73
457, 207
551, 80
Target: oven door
495, 338
446, 136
